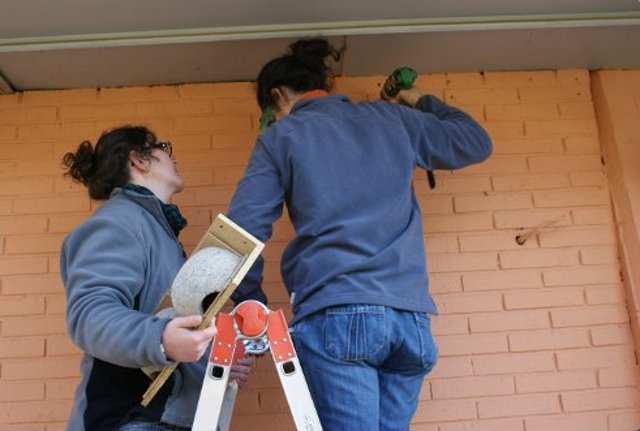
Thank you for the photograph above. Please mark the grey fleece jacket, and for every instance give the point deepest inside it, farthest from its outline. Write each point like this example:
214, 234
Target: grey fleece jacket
116, 267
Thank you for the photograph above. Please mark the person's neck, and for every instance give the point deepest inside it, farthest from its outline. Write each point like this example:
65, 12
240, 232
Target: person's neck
160, 192
293, 98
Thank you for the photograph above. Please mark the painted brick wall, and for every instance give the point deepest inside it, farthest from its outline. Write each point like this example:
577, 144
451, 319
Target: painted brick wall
532, 337
616, 96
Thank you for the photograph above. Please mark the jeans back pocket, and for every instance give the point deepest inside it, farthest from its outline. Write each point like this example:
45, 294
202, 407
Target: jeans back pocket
354, 332
429, 349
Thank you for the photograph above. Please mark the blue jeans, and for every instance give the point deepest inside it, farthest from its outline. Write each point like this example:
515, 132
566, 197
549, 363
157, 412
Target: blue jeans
365, 365
142, 424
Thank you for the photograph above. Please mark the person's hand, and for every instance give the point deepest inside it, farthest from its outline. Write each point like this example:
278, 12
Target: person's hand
183, 343
241, 369
410, 96
407, 97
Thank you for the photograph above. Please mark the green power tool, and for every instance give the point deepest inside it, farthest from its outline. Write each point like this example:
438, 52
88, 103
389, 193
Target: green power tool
403, 78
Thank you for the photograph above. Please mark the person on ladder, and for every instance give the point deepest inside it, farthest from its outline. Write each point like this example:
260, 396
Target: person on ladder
356, 267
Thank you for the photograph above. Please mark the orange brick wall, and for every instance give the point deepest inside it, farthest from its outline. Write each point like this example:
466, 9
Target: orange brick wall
617, 101
532, 337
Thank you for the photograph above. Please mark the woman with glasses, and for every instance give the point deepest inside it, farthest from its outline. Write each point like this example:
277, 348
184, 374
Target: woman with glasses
116, 268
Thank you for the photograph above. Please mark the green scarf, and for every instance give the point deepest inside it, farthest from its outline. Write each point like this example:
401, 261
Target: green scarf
170, 211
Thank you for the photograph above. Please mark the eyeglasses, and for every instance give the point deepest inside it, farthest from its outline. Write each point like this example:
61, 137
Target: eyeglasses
163, 146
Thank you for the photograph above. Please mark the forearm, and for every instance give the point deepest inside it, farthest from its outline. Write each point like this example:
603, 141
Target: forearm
444, 136
114, 333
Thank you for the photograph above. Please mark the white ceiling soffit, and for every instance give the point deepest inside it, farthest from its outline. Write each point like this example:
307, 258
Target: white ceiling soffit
47, 44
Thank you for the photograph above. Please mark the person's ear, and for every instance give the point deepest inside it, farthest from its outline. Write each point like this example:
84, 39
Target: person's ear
280, 96
137, 162
283, 102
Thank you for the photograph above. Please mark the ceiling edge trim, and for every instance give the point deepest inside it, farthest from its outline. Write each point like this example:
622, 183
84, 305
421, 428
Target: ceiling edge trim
345, 28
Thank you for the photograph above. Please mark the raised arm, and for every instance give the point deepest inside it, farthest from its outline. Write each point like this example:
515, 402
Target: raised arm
444, 137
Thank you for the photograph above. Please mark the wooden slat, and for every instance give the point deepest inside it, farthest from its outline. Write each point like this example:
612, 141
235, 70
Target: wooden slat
226, 234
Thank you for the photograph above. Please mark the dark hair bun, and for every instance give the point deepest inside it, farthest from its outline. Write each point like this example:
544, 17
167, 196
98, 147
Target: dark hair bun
313, 50
81, 164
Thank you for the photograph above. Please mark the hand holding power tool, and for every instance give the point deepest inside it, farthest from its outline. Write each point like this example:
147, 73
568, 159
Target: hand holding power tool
399, 88
402, 78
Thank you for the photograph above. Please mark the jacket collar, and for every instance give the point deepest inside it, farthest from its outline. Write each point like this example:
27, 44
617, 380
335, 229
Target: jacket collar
330, 98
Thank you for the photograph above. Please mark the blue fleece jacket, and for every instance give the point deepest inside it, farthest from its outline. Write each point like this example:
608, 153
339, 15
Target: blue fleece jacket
345, 172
